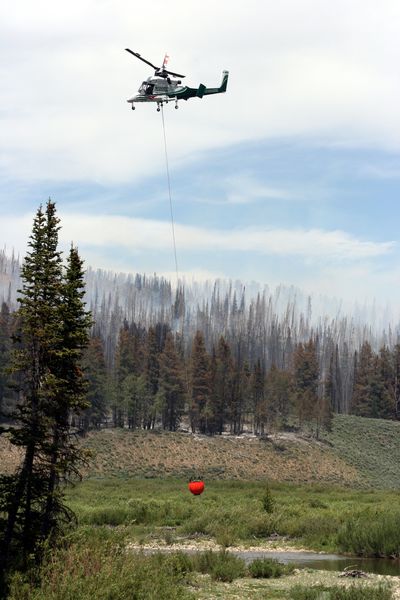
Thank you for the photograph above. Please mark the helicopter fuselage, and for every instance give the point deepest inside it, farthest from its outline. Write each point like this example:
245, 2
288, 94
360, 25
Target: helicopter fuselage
162, 89
157, 89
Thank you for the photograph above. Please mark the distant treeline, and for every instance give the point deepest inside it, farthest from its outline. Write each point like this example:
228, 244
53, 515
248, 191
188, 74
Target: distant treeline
356, 365
156, 378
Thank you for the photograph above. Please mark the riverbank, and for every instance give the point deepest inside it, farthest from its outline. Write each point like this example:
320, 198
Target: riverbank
282, 588
94, 565
285, 553
204, 545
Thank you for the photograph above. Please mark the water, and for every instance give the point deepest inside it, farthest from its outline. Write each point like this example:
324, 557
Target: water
327, 562
310, 560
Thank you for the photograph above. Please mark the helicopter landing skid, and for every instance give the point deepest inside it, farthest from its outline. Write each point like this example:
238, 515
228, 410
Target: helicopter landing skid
161, 103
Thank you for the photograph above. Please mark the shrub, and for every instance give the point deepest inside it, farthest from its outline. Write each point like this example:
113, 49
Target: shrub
261, 526
228, 567
371, 534
268, 501
224, 536
222, 566
268, 567
105, 572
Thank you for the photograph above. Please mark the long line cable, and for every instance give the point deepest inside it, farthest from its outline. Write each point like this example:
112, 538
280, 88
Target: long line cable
173, 232
170, 198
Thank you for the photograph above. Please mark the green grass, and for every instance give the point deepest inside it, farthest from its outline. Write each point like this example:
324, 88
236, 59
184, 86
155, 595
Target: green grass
320, 592
265, 568
222, 566
371, 446
95, 560
357, 452
319, 517
371, 533
95, 567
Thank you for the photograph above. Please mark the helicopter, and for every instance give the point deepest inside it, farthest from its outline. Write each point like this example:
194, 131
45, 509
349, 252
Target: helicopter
161, 88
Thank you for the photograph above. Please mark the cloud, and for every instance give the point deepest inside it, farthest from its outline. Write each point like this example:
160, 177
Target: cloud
297, 68
334, 263
357, 283
147, 234
141, 235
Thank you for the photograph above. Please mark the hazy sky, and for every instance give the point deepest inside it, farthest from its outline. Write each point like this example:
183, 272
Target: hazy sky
292, 176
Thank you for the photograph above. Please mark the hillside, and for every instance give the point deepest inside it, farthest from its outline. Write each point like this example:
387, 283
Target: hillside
371, 446
287, 458
360, 452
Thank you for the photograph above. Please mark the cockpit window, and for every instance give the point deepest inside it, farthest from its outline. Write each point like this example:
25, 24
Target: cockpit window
146, 88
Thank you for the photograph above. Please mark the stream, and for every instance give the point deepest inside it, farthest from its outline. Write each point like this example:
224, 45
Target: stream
327, 562
310, 560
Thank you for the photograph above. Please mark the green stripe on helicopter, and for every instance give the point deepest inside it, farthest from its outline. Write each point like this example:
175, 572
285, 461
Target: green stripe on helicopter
186, 92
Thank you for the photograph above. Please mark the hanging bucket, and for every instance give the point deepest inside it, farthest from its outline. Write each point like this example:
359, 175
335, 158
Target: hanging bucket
196, 487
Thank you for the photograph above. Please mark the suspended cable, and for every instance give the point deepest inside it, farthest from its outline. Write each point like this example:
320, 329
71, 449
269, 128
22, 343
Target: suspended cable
170, 198
173, 234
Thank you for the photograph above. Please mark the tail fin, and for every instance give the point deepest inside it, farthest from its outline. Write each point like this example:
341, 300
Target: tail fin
223, 86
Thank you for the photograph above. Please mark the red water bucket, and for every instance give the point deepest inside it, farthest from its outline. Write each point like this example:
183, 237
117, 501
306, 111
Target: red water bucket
196, 487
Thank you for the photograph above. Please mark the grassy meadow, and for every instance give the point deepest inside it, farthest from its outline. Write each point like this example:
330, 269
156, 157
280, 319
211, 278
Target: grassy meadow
102, 557
362, 522
339, 494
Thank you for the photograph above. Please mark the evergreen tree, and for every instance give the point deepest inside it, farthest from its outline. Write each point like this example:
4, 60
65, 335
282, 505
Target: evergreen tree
171, 387
64, 455
333, 384
129, 360
222, 384
151, 377
125, 365
200, 379
363, 375
372, 382
52, 334
136, 400
40, 337
211, 413
306, 376
151, 361
386, 375
5, 356
240, 391
98, 384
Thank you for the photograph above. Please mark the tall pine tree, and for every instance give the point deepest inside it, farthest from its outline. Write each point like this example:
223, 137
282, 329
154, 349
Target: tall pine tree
306, 376
52, 334
222, 380
200, 379
5, 354
171, 388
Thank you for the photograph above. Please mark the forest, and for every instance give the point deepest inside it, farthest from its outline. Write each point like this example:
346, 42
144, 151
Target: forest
114, 351
217, 357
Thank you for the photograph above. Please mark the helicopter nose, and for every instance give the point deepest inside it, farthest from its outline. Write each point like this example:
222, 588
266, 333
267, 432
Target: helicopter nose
130, 99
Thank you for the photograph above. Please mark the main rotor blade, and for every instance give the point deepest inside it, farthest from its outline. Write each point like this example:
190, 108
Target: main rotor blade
140, 58
174, 74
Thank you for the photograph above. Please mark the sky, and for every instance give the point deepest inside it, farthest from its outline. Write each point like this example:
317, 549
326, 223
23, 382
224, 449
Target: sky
292, 176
